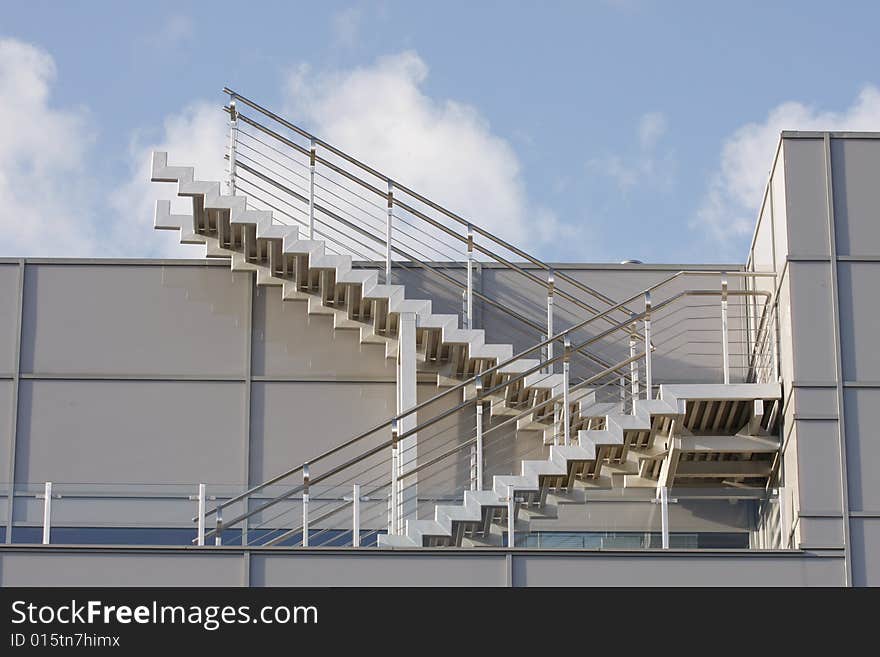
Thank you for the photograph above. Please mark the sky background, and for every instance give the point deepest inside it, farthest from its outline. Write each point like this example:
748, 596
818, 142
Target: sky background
593, 130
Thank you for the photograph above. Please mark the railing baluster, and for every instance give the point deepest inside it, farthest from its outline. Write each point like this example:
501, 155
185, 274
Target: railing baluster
312, 165
388, 233
725, 355
393, 520
200, 536
47, 512
469, 292
550, 288
218, 528
356, 515
511, 518
664, 516
478, 384
634, 365
566, 384
648, 380
233, 142
305, 505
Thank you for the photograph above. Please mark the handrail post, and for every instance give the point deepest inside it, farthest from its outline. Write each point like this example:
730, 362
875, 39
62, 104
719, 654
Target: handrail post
233, 143
648, 380
634, 364
479, 455
218, 528
775, 342
511, 517
469, 299
388, 233
356, 515
47, 512
312, 164
200, 536
664, 516
566, 384
393, 520
551, 284
725, 349
305, 504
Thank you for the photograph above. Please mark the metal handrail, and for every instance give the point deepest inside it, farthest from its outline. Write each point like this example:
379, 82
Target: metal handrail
448, 412
410, 192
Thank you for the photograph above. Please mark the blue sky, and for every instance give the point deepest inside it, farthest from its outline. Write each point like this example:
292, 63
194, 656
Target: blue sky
617, 129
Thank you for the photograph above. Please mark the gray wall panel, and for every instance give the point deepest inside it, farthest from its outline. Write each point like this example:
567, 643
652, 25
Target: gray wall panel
130, 431
294, 422
854, 164
676, 570
859, 320
6, 388
290, 342
865, 539
129, 320
806, 199
812, 321
59, 568
9, 281
863, 447
366, 569
819, 466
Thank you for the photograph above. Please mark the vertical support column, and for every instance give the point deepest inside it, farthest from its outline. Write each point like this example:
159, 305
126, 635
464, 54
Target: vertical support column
47, 512
406, 399
511, 517
356, 515
725, 349
551, 284
664, 516
388, 233
233, 142
312, 166
200, 535
305, 502
648, 379
469, 299
479, 453
634, 365
566, 384
218, 528
395, 473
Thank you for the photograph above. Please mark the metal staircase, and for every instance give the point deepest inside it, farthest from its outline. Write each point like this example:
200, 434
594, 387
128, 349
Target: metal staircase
599, 422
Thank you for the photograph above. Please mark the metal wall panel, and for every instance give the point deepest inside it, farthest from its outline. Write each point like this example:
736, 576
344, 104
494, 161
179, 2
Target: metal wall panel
819, 466
6, 390
85, 568
294, 422
134, 320
865, 539
855, 163
288, 342
130, 431
812, 320
860, 319
863, 448
807, 203
9, 282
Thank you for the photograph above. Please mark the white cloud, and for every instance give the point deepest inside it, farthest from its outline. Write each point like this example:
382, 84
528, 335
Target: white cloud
346, 26
650, 165
195, 136
44, 186
730, 206
442, 148
652, 126
175, 30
